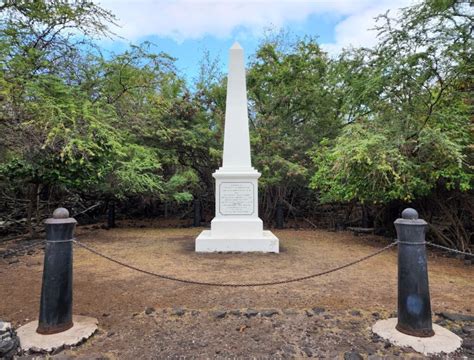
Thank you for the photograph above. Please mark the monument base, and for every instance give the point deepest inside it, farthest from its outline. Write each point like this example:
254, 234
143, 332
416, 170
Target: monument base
208, 242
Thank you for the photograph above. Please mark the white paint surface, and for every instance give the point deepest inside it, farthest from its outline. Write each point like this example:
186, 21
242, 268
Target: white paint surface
443, 340
30, 340
236, 225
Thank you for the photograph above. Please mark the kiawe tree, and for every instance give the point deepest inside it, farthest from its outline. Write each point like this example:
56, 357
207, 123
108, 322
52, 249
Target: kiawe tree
411, 135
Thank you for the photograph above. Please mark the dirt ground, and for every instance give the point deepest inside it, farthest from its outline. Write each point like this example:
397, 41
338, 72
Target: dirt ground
326, 317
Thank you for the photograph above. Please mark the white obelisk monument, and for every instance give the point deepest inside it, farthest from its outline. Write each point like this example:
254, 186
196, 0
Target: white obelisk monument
236, 226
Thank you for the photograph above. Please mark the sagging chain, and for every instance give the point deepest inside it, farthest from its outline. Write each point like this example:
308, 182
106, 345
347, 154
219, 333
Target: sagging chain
204, 283
449, 249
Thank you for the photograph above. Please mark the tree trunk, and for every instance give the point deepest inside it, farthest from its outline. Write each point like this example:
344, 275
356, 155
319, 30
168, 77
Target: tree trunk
111, 214
32, 207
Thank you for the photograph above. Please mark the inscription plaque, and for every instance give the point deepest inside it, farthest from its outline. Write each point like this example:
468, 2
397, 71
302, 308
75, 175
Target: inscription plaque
236, 198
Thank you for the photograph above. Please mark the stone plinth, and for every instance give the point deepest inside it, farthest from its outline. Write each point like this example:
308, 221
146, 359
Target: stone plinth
30, 341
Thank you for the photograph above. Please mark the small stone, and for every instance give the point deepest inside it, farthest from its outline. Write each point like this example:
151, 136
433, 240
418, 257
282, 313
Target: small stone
457, 317
387, 344
13, 261
149, 310
250, 313
468, 344
318, 310
352, 355
106, 314
178, 311
235, 312
219, 314
288, 349
356, 313
290, 312
7, 346
376, 315
375, 357
4, 326
195, 312
110, 333
309, 313
269, 312
468, 329
328, 317
308, 352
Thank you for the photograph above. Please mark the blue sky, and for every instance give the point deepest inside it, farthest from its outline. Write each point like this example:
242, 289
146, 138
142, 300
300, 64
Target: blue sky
185, 29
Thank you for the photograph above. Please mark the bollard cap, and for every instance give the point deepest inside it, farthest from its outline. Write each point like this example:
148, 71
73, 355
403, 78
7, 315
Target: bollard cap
408, 213
60, 216
410, 217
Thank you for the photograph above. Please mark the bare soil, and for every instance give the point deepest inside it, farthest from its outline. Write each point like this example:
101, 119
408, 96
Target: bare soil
186, 321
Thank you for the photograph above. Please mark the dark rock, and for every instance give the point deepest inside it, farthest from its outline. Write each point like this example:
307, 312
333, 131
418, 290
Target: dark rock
250, 313
235, 312
376, 315
110, 333
307, 351
149, 310
468, 344
318, 310
356, 313
219, 314
8, 347
269, 312
328, 317
288, 349
468, 329
106, 314
4, 327
457, 317
387, 344
352, 355
195, 312
178, 311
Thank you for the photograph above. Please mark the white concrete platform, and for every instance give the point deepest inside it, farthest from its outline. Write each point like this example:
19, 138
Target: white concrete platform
443, 341
84, 327
237, 242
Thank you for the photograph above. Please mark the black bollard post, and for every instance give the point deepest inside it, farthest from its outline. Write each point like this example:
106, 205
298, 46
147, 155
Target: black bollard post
56, 292
279, 215
197, 213
414, 307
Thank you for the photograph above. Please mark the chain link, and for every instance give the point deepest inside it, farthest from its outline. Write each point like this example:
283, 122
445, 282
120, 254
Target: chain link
269, 283
449, 249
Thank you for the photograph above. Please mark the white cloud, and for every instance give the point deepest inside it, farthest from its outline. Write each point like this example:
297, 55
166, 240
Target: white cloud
355, 30
194, 19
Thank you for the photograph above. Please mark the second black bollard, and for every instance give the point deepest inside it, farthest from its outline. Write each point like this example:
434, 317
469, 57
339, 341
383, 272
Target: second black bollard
414, 307
56, 292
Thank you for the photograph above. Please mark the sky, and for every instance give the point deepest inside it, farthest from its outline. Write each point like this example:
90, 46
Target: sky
185, 29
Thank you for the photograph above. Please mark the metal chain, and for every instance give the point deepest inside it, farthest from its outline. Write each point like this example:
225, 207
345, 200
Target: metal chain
270, 283
449, 249
12, 252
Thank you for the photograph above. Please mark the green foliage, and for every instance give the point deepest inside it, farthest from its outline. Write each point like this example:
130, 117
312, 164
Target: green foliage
408, 127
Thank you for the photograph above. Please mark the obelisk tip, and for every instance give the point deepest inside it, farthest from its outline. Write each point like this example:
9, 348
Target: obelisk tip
236, 46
